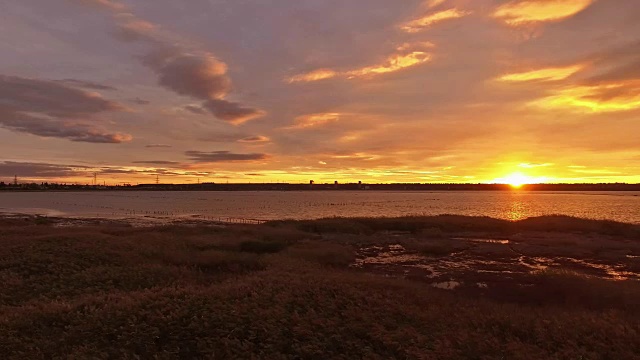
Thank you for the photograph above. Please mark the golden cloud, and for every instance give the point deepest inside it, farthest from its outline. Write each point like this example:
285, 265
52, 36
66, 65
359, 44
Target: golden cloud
597, 98
392, 64
546, 74
320, 74
314, 120
426, 21
408, 55
517, 13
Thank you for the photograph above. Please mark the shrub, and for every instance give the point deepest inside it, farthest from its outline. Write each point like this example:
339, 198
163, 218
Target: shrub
262, 247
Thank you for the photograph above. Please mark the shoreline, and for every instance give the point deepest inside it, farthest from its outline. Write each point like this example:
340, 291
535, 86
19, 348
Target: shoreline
197, 219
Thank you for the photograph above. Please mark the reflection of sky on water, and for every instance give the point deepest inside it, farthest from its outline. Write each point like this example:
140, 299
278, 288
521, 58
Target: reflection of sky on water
511, 205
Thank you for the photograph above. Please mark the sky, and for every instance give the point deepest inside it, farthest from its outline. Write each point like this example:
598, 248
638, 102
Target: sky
379, 91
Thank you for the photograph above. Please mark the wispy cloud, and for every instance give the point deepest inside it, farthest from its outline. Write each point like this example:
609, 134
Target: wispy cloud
546, 74
314, 120
611, 97
517, 13
222, 156
255, 139
39, 170
429, 20
87, 84
406, 56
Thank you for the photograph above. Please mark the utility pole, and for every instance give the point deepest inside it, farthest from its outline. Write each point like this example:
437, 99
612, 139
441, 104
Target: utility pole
95, 179
15, 180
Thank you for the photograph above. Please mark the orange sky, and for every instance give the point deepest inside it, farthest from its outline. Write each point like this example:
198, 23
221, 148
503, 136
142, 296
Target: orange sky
377, 91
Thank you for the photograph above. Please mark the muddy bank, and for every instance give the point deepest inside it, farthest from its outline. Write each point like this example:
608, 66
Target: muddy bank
484, 262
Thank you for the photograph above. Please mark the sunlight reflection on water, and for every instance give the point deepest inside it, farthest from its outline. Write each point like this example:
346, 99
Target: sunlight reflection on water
511, 205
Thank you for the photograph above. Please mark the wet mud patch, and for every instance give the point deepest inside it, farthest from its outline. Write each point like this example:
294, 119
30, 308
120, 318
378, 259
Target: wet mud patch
477, 264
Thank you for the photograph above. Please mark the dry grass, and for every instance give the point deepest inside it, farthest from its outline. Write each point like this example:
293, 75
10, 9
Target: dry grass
457, 223
278, 292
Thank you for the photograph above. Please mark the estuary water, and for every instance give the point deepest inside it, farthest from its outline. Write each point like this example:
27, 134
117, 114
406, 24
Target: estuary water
270, 205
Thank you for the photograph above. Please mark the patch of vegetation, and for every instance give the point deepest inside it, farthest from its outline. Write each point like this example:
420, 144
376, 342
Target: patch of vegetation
279, 291
457, 223
262, 247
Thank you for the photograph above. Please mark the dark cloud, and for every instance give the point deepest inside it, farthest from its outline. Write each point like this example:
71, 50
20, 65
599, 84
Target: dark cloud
39, 170
199, 76
53, 109
222, 156
157, 162
60, 129
157, 146
50, 98
234, 137
139, 101
194, 73
86, 84
617, 64
231, 111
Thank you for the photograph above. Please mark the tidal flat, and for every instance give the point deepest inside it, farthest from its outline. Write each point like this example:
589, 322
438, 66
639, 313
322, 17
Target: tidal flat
447, 286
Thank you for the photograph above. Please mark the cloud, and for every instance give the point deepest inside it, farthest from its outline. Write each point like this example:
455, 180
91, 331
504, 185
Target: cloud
53, 109
51, 98
406, 56
546, 74
222, 156
107, 4
315, 75
516, 13
616, 64
255, 139
232, 111
434, 3
180, 67
196, 109
156, 162
432, 19
605, 98
86, 84
157, 146
531, 166
139, 101
314, 120
44, 127
39, 170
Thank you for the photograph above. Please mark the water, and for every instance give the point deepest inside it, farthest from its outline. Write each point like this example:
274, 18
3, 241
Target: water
512, 205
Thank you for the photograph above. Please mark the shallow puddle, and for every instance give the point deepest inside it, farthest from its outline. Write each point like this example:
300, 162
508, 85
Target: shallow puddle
484, 267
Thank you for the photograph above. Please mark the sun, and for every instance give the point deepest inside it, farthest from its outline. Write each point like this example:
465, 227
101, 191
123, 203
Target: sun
516, 180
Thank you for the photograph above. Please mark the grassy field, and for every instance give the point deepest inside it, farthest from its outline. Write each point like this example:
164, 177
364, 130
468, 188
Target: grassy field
285, 290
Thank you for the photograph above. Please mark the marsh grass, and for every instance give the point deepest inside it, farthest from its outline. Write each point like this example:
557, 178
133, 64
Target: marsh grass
457, 223
282, 291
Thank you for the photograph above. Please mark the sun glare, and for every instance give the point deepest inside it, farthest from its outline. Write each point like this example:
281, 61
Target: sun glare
516, 180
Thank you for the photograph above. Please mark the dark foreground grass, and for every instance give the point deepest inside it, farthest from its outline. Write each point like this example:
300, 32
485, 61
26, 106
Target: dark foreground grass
279, 291
457, 223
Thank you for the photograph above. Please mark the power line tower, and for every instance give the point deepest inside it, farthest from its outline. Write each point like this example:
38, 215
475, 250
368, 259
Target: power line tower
157, 179
95, 179
15, 180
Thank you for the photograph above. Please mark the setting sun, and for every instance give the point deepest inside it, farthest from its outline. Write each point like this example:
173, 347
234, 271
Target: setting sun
516, 180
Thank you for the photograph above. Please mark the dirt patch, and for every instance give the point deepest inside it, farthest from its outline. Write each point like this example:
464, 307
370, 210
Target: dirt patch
485, 262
